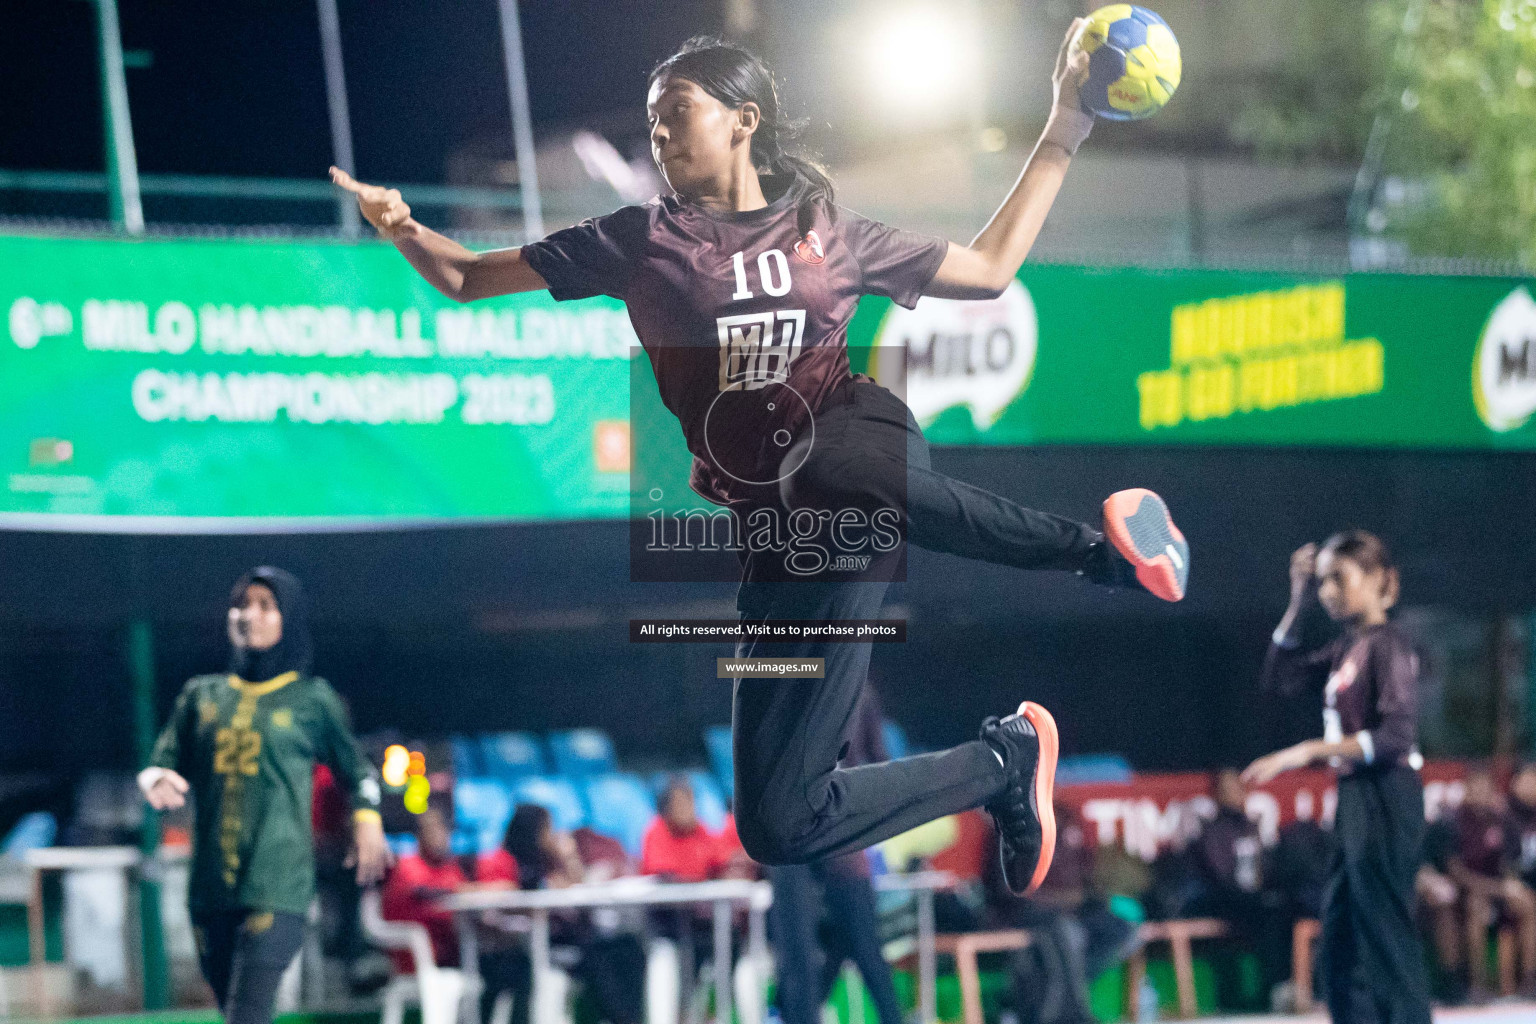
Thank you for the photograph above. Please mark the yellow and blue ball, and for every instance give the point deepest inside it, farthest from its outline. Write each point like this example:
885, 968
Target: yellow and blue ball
1133, 63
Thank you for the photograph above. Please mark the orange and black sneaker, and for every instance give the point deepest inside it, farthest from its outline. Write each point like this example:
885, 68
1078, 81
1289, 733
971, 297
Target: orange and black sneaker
1137, 525
1028, 744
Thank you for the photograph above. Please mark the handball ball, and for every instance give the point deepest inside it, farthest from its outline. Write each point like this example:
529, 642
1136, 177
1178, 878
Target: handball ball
1133, 63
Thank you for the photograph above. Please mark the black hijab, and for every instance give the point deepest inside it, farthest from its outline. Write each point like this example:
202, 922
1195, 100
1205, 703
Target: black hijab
293, 652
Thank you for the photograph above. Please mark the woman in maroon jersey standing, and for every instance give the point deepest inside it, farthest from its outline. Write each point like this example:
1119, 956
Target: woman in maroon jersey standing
1372, 965
740, 285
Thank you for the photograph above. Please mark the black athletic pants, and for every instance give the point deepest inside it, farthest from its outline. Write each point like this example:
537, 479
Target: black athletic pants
800, 893
243, 954
1372, 965
793, 803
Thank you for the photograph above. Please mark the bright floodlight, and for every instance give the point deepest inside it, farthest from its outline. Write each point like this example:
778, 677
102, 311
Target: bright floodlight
921, 59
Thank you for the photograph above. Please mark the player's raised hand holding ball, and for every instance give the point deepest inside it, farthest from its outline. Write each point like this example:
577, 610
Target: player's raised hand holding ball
1134, 63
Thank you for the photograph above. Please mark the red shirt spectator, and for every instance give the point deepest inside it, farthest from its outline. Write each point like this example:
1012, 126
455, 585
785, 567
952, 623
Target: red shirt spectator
416, 882
694, 856
496, 866
677, 845
730, 842
330, 816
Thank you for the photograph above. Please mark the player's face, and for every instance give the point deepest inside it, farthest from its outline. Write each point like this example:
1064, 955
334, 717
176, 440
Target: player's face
691, 134
1347, 591
256, 620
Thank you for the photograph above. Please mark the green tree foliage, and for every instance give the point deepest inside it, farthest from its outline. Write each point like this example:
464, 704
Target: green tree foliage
1460, 105
1318, 102
1449, 87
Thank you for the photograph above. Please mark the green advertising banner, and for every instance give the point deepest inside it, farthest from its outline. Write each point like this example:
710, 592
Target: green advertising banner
1081, 356
208, 385
287, 381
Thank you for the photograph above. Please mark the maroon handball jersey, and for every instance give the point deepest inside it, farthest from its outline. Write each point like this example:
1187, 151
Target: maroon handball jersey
743, 314
1370, 684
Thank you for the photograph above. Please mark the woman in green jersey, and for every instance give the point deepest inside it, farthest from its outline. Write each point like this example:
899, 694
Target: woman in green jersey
245, 743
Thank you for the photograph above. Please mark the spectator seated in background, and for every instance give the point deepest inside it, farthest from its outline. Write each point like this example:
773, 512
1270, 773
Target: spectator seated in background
1440, 905
1076, 935
678, 848
1229, 855
411, 892
1300, 860
1485, 869
1522, 813
602, 857
611, 965
1299, 867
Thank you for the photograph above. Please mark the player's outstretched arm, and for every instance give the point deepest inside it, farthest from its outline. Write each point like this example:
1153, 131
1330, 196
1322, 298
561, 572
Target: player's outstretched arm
984, 268
457, 272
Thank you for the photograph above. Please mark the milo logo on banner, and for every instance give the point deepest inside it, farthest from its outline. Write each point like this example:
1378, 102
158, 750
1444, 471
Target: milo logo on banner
1504, 369
960, 353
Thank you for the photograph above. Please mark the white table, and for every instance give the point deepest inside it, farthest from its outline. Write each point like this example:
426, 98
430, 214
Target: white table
622, 892
923, 884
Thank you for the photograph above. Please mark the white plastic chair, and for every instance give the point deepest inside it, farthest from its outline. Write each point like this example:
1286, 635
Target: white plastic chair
446, 995
663, 983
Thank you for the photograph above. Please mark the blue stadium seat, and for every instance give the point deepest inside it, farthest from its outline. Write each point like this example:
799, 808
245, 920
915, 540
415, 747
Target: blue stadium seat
579, 753
717, 742
558, 795
895, 737
467, 760
619, 805
482, 807
402, 844
708, 801
33, 832
512, 755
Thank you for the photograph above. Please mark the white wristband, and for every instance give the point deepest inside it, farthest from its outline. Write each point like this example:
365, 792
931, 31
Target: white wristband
1067, 128
149, 777
1367, 746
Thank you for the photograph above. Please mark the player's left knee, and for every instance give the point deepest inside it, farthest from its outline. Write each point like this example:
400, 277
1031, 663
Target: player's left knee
773, 842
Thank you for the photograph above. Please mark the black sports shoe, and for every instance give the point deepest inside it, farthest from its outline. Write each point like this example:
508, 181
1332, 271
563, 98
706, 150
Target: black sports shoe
1106, 566
1024, 812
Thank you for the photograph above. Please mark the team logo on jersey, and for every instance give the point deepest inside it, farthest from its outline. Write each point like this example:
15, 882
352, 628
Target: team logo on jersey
757, 348
282, 718
809, 249
1343, 678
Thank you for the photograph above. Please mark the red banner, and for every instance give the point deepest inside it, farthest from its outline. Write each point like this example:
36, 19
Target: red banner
1151, 811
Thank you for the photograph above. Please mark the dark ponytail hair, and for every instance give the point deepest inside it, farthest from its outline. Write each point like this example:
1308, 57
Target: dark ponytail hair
735, 76
521, 840
1370, 553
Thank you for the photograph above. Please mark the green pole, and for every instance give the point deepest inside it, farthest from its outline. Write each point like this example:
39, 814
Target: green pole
141, 664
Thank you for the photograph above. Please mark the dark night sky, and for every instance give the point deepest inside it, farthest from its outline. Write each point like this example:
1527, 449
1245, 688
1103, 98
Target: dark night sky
239, 88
